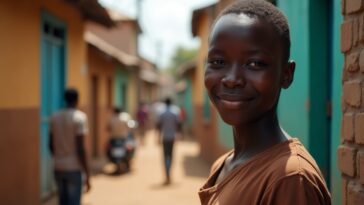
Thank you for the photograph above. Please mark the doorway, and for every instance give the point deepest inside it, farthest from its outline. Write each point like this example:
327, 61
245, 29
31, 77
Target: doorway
53, 41
94, 111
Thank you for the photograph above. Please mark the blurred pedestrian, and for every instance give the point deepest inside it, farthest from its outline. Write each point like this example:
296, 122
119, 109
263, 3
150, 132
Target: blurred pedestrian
142, 118
118, 131
183, 119
168, 124
247, 67
68, 130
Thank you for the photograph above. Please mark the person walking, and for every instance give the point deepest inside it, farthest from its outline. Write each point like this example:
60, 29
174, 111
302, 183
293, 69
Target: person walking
168, 124
68, 129
142, 117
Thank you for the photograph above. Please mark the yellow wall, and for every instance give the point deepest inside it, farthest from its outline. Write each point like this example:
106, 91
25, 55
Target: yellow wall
101, 67
20, 54
20, 57
133, 92
20, 50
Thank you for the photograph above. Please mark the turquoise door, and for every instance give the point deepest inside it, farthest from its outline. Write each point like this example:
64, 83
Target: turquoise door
121, 89
52, 88
337, 62
304, 108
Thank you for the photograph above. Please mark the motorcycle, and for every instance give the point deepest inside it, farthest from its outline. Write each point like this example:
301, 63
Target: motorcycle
120, 151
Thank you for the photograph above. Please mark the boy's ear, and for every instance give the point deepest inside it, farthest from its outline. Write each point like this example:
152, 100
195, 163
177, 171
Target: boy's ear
288, 74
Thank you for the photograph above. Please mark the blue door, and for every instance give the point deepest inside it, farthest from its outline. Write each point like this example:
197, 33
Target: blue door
52, 88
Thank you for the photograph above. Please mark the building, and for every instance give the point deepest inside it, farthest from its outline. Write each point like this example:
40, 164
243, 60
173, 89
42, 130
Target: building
43, 52
103, 62
122, 39
149, 82
184, 89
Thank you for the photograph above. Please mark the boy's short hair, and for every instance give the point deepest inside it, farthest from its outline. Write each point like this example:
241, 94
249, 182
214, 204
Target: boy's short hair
71, 96
168, 101
118, 110
265, 10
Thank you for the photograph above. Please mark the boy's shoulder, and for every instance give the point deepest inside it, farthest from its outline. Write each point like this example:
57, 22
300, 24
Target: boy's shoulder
294, 161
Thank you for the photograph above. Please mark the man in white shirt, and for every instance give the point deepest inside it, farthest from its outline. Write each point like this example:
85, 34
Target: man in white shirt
168, 124
118, 132
118, 124
68, 129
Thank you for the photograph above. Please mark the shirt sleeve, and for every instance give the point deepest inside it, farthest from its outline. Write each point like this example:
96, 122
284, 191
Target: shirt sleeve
295, 189
81, 126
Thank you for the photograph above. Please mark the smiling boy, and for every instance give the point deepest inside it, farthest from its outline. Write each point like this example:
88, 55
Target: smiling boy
247, 66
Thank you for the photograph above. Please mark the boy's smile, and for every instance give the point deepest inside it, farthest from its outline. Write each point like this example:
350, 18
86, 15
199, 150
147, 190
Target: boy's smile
245, 68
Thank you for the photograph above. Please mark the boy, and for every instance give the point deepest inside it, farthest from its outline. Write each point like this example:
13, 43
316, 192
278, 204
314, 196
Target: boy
247, 65
67, 144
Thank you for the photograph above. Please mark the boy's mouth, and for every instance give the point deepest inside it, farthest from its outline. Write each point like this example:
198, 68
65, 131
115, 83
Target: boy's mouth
233, 101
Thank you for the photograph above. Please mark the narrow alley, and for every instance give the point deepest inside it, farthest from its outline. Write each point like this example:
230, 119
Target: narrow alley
143, 184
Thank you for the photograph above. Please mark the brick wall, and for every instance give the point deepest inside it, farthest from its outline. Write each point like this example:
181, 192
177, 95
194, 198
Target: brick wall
351, 150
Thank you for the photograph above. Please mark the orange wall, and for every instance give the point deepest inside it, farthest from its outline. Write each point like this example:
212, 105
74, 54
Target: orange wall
20, 90
20, 51
101, 66
133, 91
20, 54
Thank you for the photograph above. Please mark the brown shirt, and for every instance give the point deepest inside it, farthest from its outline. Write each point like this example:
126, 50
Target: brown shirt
282, 175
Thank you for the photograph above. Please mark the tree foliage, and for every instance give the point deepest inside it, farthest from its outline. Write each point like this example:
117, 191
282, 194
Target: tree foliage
181, 55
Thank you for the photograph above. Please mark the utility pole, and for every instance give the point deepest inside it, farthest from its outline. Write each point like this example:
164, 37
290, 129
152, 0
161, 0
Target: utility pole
159, 53
138, 18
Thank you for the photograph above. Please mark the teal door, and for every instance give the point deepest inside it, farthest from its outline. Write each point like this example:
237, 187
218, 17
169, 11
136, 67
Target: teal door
311, 109
52, 88
121, 89
337, 62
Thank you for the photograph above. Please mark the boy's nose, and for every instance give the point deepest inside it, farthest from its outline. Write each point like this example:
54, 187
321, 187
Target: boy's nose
232, 79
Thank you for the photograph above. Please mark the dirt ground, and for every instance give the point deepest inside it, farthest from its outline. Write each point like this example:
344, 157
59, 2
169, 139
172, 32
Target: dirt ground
144, 183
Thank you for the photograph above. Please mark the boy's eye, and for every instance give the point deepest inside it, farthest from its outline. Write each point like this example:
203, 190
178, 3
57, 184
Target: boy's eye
256, 65
217, 62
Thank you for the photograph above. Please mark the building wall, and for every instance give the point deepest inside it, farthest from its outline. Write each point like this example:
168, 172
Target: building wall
188, 102
20, 91
133, 92
128, 77
351, 150
123, 36
102, 67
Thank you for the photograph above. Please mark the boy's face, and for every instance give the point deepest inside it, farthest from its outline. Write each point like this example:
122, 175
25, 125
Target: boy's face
245, 70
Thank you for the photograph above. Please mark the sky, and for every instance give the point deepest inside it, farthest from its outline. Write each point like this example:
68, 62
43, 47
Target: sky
166, 24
